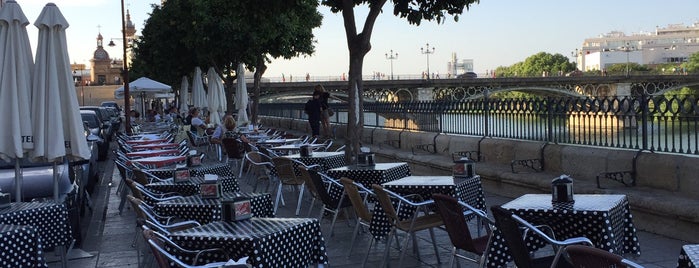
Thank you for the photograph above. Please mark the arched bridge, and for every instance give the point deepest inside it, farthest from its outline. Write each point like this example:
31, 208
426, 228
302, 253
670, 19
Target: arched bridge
459, 89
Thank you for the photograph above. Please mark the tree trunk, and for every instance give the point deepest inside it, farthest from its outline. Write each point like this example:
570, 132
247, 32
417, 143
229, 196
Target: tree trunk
355, 115
260, 69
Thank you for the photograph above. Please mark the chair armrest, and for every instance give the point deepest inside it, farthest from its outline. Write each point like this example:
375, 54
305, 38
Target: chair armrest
225, 253
575, 240
178, 226
408, 201
476, 211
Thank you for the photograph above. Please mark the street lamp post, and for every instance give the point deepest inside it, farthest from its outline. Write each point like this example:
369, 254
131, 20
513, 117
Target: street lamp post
628, 48
426, 50
125, 74
390, 56
574, 55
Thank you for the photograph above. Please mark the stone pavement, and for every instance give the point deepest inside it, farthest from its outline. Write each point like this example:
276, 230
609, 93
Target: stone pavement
109, 235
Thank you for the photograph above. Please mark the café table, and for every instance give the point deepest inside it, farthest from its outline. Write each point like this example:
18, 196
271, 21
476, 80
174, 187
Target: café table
145, 136
191, 187
269, 242
20, 246
689, 256
376, 174
206, 210
49, 219
326, 160
149, 153
160, 161
278, 141
469, 190
154, 146
288, 148
146, 141
605, 219
220, 169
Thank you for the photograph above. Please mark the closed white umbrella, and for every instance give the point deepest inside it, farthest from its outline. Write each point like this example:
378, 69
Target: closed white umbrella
241, 95
216, 96
56, 121
16, 67
198, 94
184, 95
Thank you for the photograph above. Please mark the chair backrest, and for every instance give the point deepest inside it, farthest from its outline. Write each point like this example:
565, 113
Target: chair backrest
453, 215
310, 186
585, 256
135, 191
234, 148
323, 190
356, 199
386, 203
341, 148
135, 205
285, 171
509, 227
140, 176
190, 135
162, 257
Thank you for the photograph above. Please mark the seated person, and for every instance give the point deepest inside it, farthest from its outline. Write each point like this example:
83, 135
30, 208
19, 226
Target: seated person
196, 124
227, 130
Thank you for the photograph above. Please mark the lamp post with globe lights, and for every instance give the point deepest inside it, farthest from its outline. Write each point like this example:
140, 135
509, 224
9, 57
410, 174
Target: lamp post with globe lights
391, 56
427, 51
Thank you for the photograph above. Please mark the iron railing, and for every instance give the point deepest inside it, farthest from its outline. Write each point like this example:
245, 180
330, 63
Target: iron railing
658, 123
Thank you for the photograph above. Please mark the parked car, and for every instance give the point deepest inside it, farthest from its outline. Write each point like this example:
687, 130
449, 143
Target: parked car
105, 118
37, 184
112, 104
114, 117
98, 128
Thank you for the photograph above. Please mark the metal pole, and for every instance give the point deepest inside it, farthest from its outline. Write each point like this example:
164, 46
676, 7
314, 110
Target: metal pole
426, 50
125, 74
391, 57
82, 86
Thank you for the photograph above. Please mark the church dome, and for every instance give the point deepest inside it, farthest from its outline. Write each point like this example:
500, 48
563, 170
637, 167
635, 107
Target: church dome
101, 54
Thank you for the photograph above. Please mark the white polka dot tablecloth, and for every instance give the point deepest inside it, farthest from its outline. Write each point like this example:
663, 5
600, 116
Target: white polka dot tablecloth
368, 175
49, 219
206, 210
604, 219
689, 256
191, 187
220, 169
468, 190
269, 242
20, 246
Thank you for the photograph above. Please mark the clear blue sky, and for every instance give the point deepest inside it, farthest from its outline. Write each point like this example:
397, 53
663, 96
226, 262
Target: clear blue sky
492, 33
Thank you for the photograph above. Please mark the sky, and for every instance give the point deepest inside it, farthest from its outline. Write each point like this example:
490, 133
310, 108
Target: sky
492, 33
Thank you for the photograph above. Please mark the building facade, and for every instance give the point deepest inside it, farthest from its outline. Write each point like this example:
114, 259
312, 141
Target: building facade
669, 45
105, 70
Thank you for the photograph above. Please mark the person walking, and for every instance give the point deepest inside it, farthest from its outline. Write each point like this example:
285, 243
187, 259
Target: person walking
325, 110
313, 110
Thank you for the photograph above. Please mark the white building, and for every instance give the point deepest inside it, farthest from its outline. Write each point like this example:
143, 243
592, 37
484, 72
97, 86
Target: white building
672, 44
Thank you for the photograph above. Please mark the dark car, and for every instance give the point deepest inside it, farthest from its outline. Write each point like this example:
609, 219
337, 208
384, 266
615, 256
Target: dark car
112, 104
105, 118
468, 75
97, 128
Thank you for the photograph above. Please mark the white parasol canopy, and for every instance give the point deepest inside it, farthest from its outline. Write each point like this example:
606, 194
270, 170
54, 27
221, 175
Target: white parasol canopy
56, 121
16, 67
217, 96
184, 95
198, 94
241, 95
144, 86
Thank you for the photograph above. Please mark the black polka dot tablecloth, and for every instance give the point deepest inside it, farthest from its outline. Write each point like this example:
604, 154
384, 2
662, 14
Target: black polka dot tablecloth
220, 169
20, 246
191, 187
206, 210
604, 219
689, 256
468, 190
368, 175
49, 219
269, 242
326, 160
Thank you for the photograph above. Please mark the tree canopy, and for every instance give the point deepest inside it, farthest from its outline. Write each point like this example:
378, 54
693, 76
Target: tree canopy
183, 34
359, 44
538, 64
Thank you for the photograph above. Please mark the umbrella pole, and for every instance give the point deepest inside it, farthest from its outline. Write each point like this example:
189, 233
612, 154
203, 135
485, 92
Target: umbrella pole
55, 181
18, 180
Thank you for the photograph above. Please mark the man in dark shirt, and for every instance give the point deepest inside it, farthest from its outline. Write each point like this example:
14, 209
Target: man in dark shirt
313, 109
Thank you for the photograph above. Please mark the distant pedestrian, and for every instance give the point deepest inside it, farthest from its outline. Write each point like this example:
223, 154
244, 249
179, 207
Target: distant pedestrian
325, 111
313, 110
308, 77
283, 78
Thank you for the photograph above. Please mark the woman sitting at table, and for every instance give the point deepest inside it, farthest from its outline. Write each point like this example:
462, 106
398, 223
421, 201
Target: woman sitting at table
227, 130
196, 124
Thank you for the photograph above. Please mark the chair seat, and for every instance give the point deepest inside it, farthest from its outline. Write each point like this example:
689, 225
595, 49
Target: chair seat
421, 223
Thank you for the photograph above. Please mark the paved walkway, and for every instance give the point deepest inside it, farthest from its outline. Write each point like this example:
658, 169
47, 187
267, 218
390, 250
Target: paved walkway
109, 235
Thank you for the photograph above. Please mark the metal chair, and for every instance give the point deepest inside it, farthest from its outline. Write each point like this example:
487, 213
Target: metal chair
418, 221
452, 212
584, 256
324, 185
510, 225
310, 187
198, 141
261, 165
235, 152
354, 193
148, 196
158, 242
287, 176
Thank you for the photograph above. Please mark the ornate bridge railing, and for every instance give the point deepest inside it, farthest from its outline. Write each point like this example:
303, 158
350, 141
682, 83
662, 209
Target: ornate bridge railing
658, 123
